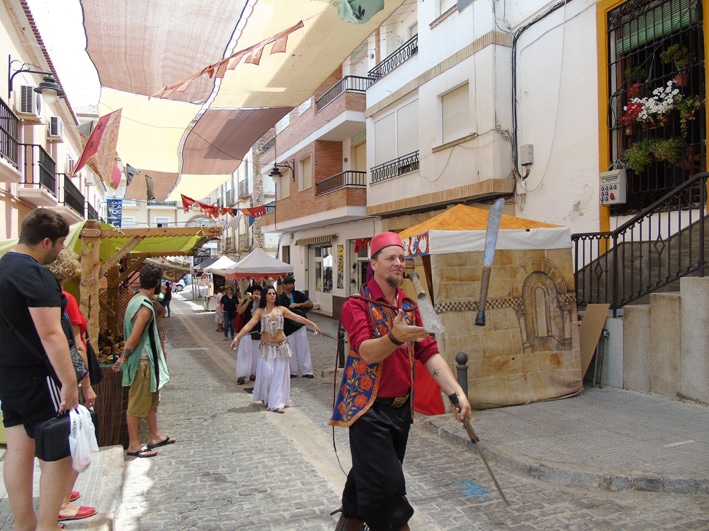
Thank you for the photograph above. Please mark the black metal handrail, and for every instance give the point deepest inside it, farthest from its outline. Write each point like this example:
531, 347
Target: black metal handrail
394, 168
346, 84
658, 246
9, 127
401, 54
270, 207
72, 197
341, 180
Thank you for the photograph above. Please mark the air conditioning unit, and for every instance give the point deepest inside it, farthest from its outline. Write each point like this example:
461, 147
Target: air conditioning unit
28, 103
55, 128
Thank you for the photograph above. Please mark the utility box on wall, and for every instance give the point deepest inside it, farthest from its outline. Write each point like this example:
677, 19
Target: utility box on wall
613, 187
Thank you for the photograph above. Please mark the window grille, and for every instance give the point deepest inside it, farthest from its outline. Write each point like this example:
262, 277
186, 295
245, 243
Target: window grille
656, 45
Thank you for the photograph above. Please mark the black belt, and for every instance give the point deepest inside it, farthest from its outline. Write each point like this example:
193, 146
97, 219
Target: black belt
394, 403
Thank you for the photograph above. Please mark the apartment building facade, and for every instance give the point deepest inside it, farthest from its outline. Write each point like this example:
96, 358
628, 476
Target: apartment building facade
39, 137
522, 100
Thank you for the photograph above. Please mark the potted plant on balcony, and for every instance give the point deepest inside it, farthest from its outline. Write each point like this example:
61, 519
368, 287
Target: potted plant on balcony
641, 154
680, 56
687, 106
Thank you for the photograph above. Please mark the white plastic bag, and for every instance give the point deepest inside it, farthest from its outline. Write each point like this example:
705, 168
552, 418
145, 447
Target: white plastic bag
82, 438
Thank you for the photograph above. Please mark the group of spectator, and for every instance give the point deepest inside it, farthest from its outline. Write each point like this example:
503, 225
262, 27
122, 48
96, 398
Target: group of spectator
38, 314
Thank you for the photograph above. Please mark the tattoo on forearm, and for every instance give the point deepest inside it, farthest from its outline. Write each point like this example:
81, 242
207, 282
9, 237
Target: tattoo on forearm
436, 372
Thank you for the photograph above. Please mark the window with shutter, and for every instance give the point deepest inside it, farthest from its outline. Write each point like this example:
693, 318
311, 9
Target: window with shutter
455, 114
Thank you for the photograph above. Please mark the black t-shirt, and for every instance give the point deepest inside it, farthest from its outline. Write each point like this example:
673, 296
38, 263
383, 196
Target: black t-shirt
229, 304
24, 284
290, 326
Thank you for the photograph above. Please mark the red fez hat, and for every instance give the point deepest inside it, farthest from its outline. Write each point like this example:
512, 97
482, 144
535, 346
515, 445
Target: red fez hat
384, 239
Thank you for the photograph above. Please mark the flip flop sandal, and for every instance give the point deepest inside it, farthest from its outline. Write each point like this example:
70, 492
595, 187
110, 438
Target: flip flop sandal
164, 442
145, 451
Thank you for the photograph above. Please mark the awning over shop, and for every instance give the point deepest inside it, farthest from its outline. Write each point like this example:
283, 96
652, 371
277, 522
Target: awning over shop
316, 239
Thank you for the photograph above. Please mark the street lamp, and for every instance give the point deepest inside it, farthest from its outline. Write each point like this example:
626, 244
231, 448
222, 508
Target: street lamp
48, 88
288, 164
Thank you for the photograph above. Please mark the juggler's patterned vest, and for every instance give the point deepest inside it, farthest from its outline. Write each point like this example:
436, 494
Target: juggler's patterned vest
360, 381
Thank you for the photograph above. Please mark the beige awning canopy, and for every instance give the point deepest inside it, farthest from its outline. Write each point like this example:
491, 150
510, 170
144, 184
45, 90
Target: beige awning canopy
316, 239
193, 141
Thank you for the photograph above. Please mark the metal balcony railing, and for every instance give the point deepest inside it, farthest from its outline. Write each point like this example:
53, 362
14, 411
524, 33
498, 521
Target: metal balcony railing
92, 213
401, 54
341, 180
268, 146
9, 127
270, 207
346, 84
39, 168
70, 195
394, 168
154, 202
243, 188
229, 197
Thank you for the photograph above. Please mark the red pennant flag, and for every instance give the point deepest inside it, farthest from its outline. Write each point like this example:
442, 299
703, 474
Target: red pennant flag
105, 137
254, 212
187, 202
116, 176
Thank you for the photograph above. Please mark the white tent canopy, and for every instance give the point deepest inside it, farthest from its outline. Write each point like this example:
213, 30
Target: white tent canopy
257, 265
220, 265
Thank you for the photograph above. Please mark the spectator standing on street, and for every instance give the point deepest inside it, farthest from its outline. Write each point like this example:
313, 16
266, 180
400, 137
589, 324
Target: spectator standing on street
64, 268
296, 334
375, 397
219, 313
229, 303
167, 297
272, 386
247, 355
143, 364
31, 303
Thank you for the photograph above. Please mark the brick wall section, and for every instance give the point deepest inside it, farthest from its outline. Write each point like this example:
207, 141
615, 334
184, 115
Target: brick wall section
327, 157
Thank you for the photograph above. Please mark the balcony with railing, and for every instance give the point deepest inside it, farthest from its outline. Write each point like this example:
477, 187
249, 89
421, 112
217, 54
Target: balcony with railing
229, 198
9, 148
398, 57
355, 84
244, 188
350, 178
70, 201
162, 204
39, 186
389, 170
92, 213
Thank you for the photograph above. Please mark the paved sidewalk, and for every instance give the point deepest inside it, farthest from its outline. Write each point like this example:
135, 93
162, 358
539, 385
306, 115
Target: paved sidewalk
604, 439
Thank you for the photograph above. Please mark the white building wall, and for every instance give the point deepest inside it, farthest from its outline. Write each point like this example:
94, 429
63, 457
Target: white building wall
557, 113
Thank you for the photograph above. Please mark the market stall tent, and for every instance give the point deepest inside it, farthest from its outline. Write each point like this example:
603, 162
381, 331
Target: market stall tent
529, 348
257, 265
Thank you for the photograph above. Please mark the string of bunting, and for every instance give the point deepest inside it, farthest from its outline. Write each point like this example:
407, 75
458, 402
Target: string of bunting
215, 211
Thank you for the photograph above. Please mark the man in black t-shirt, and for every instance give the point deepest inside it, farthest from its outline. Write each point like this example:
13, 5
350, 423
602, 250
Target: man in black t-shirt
296, 333
31, 306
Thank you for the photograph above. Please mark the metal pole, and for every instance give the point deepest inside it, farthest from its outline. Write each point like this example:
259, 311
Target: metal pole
462, 370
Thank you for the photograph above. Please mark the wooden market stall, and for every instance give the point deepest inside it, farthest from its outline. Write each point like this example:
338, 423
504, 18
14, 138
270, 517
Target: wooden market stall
110, 259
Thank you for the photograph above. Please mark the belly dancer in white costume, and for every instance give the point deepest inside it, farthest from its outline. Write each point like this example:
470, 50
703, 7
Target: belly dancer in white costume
272, 386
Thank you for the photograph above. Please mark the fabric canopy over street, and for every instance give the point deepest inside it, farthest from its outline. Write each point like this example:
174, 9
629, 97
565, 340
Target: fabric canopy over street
191, 140
462, 229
